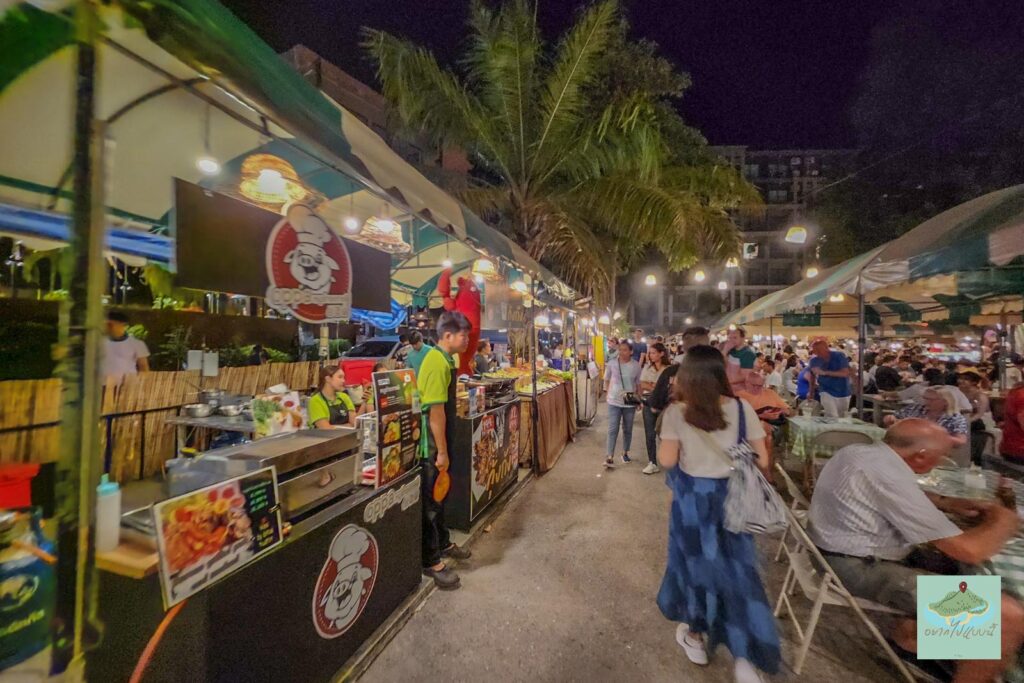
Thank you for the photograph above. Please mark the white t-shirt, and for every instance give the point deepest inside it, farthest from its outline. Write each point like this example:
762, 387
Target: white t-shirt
616, 386
119, 357
696, 457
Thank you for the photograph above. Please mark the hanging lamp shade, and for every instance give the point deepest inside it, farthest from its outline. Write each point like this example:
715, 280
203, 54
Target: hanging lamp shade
699, 276
267, 179
650, 280
486, 269
384, 234
521, 286
732, 262
811, 272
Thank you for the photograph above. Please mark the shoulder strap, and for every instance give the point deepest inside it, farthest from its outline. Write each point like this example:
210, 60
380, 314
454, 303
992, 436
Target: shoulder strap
741, 433
713, 445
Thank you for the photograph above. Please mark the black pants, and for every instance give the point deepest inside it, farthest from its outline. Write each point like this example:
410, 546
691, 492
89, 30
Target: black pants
435, 531
651, 434
978, 438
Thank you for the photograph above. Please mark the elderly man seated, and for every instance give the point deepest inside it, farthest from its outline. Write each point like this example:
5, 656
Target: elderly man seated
868, 513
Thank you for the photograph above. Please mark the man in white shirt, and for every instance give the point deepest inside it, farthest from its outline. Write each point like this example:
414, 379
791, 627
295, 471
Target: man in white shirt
868, 513
122, 354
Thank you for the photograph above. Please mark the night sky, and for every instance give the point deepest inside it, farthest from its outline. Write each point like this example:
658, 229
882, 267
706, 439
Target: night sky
768, 74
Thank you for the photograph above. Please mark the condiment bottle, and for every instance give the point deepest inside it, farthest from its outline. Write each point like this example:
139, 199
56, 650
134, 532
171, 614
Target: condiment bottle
108, 515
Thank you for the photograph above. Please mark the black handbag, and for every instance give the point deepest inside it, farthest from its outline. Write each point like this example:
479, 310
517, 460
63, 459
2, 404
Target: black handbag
630, 398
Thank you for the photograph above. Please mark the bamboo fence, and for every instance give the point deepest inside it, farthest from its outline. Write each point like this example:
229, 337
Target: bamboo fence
134, 413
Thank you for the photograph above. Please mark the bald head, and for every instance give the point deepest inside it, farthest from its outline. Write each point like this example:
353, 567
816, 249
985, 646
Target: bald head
921, 443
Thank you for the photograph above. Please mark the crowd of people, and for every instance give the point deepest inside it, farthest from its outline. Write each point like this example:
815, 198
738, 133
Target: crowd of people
869, 517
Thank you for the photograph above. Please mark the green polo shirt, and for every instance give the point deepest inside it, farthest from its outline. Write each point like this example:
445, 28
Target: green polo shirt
746, 356
434, 376
319, 410
414, 359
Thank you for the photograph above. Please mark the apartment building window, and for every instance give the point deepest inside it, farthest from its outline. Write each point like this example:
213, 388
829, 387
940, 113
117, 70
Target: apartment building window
795, 161
811, 160
777, 195
752, 170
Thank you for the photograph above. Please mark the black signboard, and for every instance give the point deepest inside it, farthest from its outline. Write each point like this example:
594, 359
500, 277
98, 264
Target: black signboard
484, 462
810, 317
399, 428
213, 231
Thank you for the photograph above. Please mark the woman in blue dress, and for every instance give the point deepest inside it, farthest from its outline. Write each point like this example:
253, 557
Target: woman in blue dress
711, 585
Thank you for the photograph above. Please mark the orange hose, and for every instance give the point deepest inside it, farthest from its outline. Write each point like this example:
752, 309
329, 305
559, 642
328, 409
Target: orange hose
154, 640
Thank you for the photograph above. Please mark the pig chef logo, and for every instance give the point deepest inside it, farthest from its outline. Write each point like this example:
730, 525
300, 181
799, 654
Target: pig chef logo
308, 267
345, 582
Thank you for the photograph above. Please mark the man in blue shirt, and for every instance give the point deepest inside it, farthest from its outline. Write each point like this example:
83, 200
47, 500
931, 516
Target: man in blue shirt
830, 376
639, 347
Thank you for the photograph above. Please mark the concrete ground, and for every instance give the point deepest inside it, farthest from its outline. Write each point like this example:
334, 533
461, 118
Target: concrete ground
563, 589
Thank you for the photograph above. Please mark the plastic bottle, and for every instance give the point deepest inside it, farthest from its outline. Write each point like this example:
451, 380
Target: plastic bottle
108, 515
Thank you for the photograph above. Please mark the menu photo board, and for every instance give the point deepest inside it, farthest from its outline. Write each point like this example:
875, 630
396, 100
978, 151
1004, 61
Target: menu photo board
495, 455
212, 532
399, 427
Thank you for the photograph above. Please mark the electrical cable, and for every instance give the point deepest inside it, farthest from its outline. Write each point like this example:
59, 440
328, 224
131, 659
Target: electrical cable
154, 640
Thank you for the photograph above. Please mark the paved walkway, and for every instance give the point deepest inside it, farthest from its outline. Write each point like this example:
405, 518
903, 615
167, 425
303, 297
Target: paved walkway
563, 589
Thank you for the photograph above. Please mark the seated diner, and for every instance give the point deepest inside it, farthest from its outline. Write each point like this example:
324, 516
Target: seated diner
868, 516
938, 405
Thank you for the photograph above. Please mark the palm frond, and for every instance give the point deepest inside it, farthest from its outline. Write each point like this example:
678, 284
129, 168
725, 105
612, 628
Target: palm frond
431, 99
502, 64
565, 243
575, 67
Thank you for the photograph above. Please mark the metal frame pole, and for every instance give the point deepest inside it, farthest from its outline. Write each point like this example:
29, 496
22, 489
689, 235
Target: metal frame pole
81, 318
534, 350
862, 334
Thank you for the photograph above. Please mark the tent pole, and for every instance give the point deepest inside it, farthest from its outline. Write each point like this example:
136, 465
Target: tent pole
858, 382
534, 350
771, 334
81, 318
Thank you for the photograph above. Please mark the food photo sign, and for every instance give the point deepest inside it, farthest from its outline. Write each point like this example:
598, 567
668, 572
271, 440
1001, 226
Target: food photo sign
208, 534
398, 428
495, 455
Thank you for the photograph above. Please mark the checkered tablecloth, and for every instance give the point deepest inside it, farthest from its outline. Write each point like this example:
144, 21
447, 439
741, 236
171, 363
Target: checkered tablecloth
803, 430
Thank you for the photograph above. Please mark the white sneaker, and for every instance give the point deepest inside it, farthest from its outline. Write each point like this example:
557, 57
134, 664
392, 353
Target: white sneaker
744, 672
693, 647
651, 469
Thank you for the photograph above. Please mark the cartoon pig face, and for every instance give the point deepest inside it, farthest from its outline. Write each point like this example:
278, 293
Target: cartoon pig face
312, 267
341, 602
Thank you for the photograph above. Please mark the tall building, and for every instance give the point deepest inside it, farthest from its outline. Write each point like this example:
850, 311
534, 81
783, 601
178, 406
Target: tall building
787, 179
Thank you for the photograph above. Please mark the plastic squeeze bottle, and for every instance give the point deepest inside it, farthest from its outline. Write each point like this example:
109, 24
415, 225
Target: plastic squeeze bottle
108, 515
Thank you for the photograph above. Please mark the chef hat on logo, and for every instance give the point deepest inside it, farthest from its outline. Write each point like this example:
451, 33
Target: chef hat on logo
309, 227
348, 546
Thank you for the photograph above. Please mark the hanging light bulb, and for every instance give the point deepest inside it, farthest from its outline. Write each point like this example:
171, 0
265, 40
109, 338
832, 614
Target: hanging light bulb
811, 272
617, 315
796, 234
479, 279
723, 285
688, 321
268, 179
447, 263
650, 280
732, 327
520, 286
836, 298
604, 319
207, 165
699, 276
352, 224
541, 320
732, 262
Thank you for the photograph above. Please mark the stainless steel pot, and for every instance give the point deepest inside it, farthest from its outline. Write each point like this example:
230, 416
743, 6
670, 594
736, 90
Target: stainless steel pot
198, 410
230, 411
211, 396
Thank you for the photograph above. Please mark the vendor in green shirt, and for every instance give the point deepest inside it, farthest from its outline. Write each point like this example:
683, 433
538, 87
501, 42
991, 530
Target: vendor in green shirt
414, 358
436, 382
331, 407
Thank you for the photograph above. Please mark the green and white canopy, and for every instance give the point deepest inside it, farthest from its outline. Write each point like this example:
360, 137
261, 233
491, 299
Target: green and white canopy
180, 79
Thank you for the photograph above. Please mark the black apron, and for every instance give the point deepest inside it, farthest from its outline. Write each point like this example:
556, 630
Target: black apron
338, 412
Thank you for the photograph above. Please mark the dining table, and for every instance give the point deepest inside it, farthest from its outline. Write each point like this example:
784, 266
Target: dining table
880, 403
804, 429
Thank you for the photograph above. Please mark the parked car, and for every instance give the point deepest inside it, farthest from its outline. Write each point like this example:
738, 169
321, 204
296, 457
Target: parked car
358, 362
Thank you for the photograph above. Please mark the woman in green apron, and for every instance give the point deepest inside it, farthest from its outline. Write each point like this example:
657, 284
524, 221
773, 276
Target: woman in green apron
331, 407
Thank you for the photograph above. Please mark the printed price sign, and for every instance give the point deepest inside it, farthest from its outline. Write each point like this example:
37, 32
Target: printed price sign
398, 424
207, 534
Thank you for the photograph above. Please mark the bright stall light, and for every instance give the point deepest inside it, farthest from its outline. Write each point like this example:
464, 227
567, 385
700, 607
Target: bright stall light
447, 263
732, 327
519, 285
542, 320
723, 285
837, 298
617, 315
700, 276
688, 321
811, 272
479, 279
207, 165
732, 262
557, 322
352, 224
650, 280
604, 319
796, 234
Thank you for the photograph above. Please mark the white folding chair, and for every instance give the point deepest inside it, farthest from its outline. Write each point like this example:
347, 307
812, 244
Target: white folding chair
809, 572
799, 506
832, 440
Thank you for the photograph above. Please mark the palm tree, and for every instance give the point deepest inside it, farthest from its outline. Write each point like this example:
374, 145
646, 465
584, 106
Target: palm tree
576, 175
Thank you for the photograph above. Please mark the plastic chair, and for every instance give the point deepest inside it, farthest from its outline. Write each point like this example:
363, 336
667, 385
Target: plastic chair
831, 440
811, 573
799, 507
